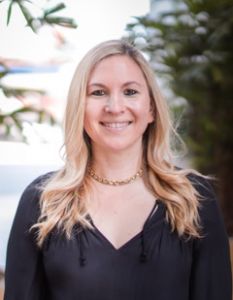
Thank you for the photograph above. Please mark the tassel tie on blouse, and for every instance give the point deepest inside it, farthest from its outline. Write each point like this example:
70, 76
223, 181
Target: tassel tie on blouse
82, 257
144, 251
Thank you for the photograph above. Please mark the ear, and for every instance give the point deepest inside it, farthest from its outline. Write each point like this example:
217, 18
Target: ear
151, 117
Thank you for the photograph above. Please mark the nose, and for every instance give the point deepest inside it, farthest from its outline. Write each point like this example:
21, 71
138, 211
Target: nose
115, 104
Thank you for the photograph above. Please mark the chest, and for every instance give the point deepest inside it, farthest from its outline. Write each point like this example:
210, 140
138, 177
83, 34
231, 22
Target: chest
119, 272
120, 221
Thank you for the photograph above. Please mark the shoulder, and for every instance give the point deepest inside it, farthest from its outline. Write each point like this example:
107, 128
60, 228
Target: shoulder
211, 218
35, 187
28, 206
202, 184
206, 193
204, 187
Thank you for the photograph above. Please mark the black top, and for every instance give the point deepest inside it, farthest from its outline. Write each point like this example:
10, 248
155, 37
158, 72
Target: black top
154, 264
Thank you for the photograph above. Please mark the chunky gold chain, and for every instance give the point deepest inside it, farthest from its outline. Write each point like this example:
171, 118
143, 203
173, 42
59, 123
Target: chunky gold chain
103, 180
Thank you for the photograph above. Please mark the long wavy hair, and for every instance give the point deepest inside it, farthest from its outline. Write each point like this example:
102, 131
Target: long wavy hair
65, 194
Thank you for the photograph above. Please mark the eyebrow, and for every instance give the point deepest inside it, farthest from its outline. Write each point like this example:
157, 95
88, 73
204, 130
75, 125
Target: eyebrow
125, 84
96, 84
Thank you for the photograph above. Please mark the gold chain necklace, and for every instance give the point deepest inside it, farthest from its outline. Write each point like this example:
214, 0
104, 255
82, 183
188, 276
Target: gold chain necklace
103, 180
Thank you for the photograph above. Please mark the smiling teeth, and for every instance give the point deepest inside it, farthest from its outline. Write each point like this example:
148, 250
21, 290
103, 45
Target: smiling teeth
116, 125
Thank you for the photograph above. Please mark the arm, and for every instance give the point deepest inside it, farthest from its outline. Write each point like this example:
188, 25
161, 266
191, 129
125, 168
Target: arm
211, 268
24, 278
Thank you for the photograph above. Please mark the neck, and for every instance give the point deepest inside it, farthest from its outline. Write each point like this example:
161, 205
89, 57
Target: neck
118, 165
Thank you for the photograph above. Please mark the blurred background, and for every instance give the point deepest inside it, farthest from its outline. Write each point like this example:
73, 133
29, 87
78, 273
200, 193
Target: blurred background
189, 45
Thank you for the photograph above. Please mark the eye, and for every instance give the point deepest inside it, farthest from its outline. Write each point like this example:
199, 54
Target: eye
130, 92
98, 93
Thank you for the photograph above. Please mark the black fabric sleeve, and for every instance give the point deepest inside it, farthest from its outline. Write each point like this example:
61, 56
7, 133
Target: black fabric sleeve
211, 267
24, 278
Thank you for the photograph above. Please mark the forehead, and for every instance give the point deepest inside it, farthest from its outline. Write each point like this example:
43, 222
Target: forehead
120, 67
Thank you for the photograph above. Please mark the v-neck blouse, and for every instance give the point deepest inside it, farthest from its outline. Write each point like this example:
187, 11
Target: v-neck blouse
155, 264
110, 244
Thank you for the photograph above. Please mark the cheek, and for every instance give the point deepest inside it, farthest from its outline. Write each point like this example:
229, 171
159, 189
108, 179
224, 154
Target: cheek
142, 111
91, 117
151, 116
86, 118
90, 114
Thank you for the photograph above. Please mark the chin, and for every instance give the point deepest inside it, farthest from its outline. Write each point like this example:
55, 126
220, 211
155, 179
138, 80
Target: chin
120, 147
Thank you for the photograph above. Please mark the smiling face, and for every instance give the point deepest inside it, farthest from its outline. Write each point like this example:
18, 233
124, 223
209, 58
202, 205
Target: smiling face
117, 110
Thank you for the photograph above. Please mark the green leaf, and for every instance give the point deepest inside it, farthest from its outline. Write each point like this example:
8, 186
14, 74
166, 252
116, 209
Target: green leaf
2, 74
9, 12
27, 15
41, 116
54, 9
52, 120
17, 122
16, 92
7, 130
62, 21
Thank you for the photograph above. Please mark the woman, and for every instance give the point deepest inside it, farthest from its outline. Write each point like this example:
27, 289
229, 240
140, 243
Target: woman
119, 221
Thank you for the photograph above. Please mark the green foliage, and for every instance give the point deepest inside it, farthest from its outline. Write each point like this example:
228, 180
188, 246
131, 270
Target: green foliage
192, 47
14, 119
48, 16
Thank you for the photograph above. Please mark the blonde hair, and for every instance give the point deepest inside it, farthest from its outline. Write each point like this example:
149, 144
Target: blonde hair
65, 195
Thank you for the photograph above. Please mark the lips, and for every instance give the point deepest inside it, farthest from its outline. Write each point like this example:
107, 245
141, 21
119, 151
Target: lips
116, 125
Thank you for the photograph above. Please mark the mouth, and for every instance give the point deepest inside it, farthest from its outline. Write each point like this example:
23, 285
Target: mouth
116, 125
